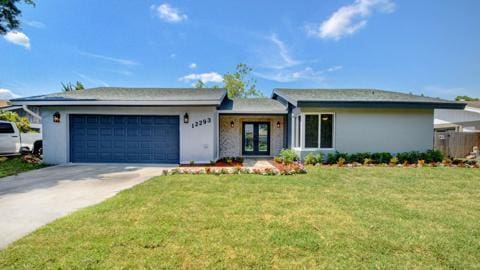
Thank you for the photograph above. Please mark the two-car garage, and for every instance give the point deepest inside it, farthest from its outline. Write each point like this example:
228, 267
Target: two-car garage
124, 138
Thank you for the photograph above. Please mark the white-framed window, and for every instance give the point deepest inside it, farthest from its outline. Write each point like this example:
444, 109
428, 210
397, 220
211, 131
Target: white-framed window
319, 130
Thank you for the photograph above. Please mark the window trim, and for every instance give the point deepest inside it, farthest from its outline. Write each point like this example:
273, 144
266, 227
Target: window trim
320, 131
12, 128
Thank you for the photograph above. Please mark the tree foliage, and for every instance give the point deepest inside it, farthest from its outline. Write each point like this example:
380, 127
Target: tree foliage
9, 13
466, 98
240, 83
22, 122
199, 84
71, 87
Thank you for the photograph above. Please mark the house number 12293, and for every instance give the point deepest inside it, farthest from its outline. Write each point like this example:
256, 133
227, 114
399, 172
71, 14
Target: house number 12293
201, 122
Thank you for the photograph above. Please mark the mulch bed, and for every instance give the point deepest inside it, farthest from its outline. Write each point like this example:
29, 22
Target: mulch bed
280, 166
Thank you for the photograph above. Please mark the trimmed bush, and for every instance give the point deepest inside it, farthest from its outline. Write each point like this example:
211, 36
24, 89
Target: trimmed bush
411, 157
313, 159
381, 158
358, 157
432, 156
332, 158
287, 156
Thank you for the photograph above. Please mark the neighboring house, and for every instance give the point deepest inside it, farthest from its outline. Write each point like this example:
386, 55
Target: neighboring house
32, 113
467, 120
157, 125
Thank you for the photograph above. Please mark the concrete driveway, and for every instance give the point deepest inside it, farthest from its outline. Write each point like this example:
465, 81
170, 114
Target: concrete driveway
32, 199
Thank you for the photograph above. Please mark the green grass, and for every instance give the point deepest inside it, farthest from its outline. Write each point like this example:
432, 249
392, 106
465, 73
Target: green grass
15, 165
329, 218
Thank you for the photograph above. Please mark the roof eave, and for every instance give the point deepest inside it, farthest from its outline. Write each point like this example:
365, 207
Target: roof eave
252, 112
285, 97
117, 102
382, 104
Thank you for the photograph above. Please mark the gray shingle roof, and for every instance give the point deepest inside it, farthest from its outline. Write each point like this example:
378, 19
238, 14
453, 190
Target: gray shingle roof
252, 105
474, 104
113, 94
296, 96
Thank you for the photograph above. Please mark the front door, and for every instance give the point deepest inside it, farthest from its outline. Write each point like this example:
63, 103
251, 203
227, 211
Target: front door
256, 138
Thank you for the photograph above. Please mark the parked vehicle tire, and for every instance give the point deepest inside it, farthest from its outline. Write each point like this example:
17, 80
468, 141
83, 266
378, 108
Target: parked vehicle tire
38, 148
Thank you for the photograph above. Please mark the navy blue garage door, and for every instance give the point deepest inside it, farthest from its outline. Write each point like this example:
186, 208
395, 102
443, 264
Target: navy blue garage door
124, 139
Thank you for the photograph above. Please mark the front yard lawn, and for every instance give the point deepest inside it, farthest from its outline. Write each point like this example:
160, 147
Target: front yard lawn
368, 217
15, 165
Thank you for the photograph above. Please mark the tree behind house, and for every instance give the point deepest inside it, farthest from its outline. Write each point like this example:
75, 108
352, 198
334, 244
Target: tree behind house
9, 13
199, 84
466, 98
22, 122
240, 84
70, 87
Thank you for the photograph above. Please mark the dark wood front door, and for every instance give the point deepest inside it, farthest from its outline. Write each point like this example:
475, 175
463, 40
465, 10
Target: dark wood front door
256, 138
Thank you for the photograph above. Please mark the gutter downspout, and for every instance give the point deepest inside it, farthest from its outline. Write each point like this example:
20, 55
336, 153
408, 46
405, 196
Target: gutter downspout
25, 108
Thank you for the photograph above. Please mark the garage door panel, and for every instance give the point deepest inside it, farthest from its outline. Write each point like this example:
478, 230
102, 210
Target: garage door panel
129, 139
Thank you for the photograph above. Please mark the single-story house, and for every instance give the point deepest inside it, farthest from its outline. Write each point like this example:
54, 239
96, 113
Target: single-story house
466, 120
160, 125
32, 113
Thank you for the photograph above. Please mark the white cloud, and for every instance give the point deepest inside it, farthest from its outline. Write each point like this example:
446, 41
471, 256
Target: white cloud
349, 19
168, 13
192, 66
292, 75
204, 77
93, 81
18, 38
121, 61
7, 94
284, 55
272, 53
173, 55
35, 24
335, 68
119, 71
283, 76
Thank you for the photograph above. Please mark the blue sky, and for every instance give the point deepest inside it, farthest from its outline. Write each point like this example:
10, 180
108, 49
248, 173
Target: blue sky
429, 46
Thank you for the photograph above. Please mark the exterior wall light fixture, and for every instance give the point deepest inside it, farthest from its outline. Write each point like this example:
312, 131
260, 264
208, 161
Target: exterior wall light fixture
56, 117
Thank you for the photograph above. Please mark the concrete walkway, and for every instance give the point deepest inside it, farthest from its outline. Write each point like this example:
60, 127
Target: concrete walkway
258, 163
32, 199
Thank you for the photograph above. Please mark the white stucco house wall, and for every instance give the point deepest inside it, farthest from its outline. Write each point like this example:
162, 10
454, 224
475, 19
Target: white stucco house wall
169, 125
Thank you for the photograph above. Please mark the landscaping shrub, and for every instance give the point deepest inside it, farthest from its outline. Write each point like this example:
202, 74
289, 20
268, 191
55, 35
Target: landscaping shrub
367, 161
432, 156
411, 157
231, 160
287, 156
358, 157
313, 158
332, 158
381, 157
393, 161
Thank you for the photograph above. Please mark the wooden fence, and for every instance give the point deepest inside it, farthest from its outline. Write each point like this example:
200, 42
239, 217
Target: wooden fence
456, 144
